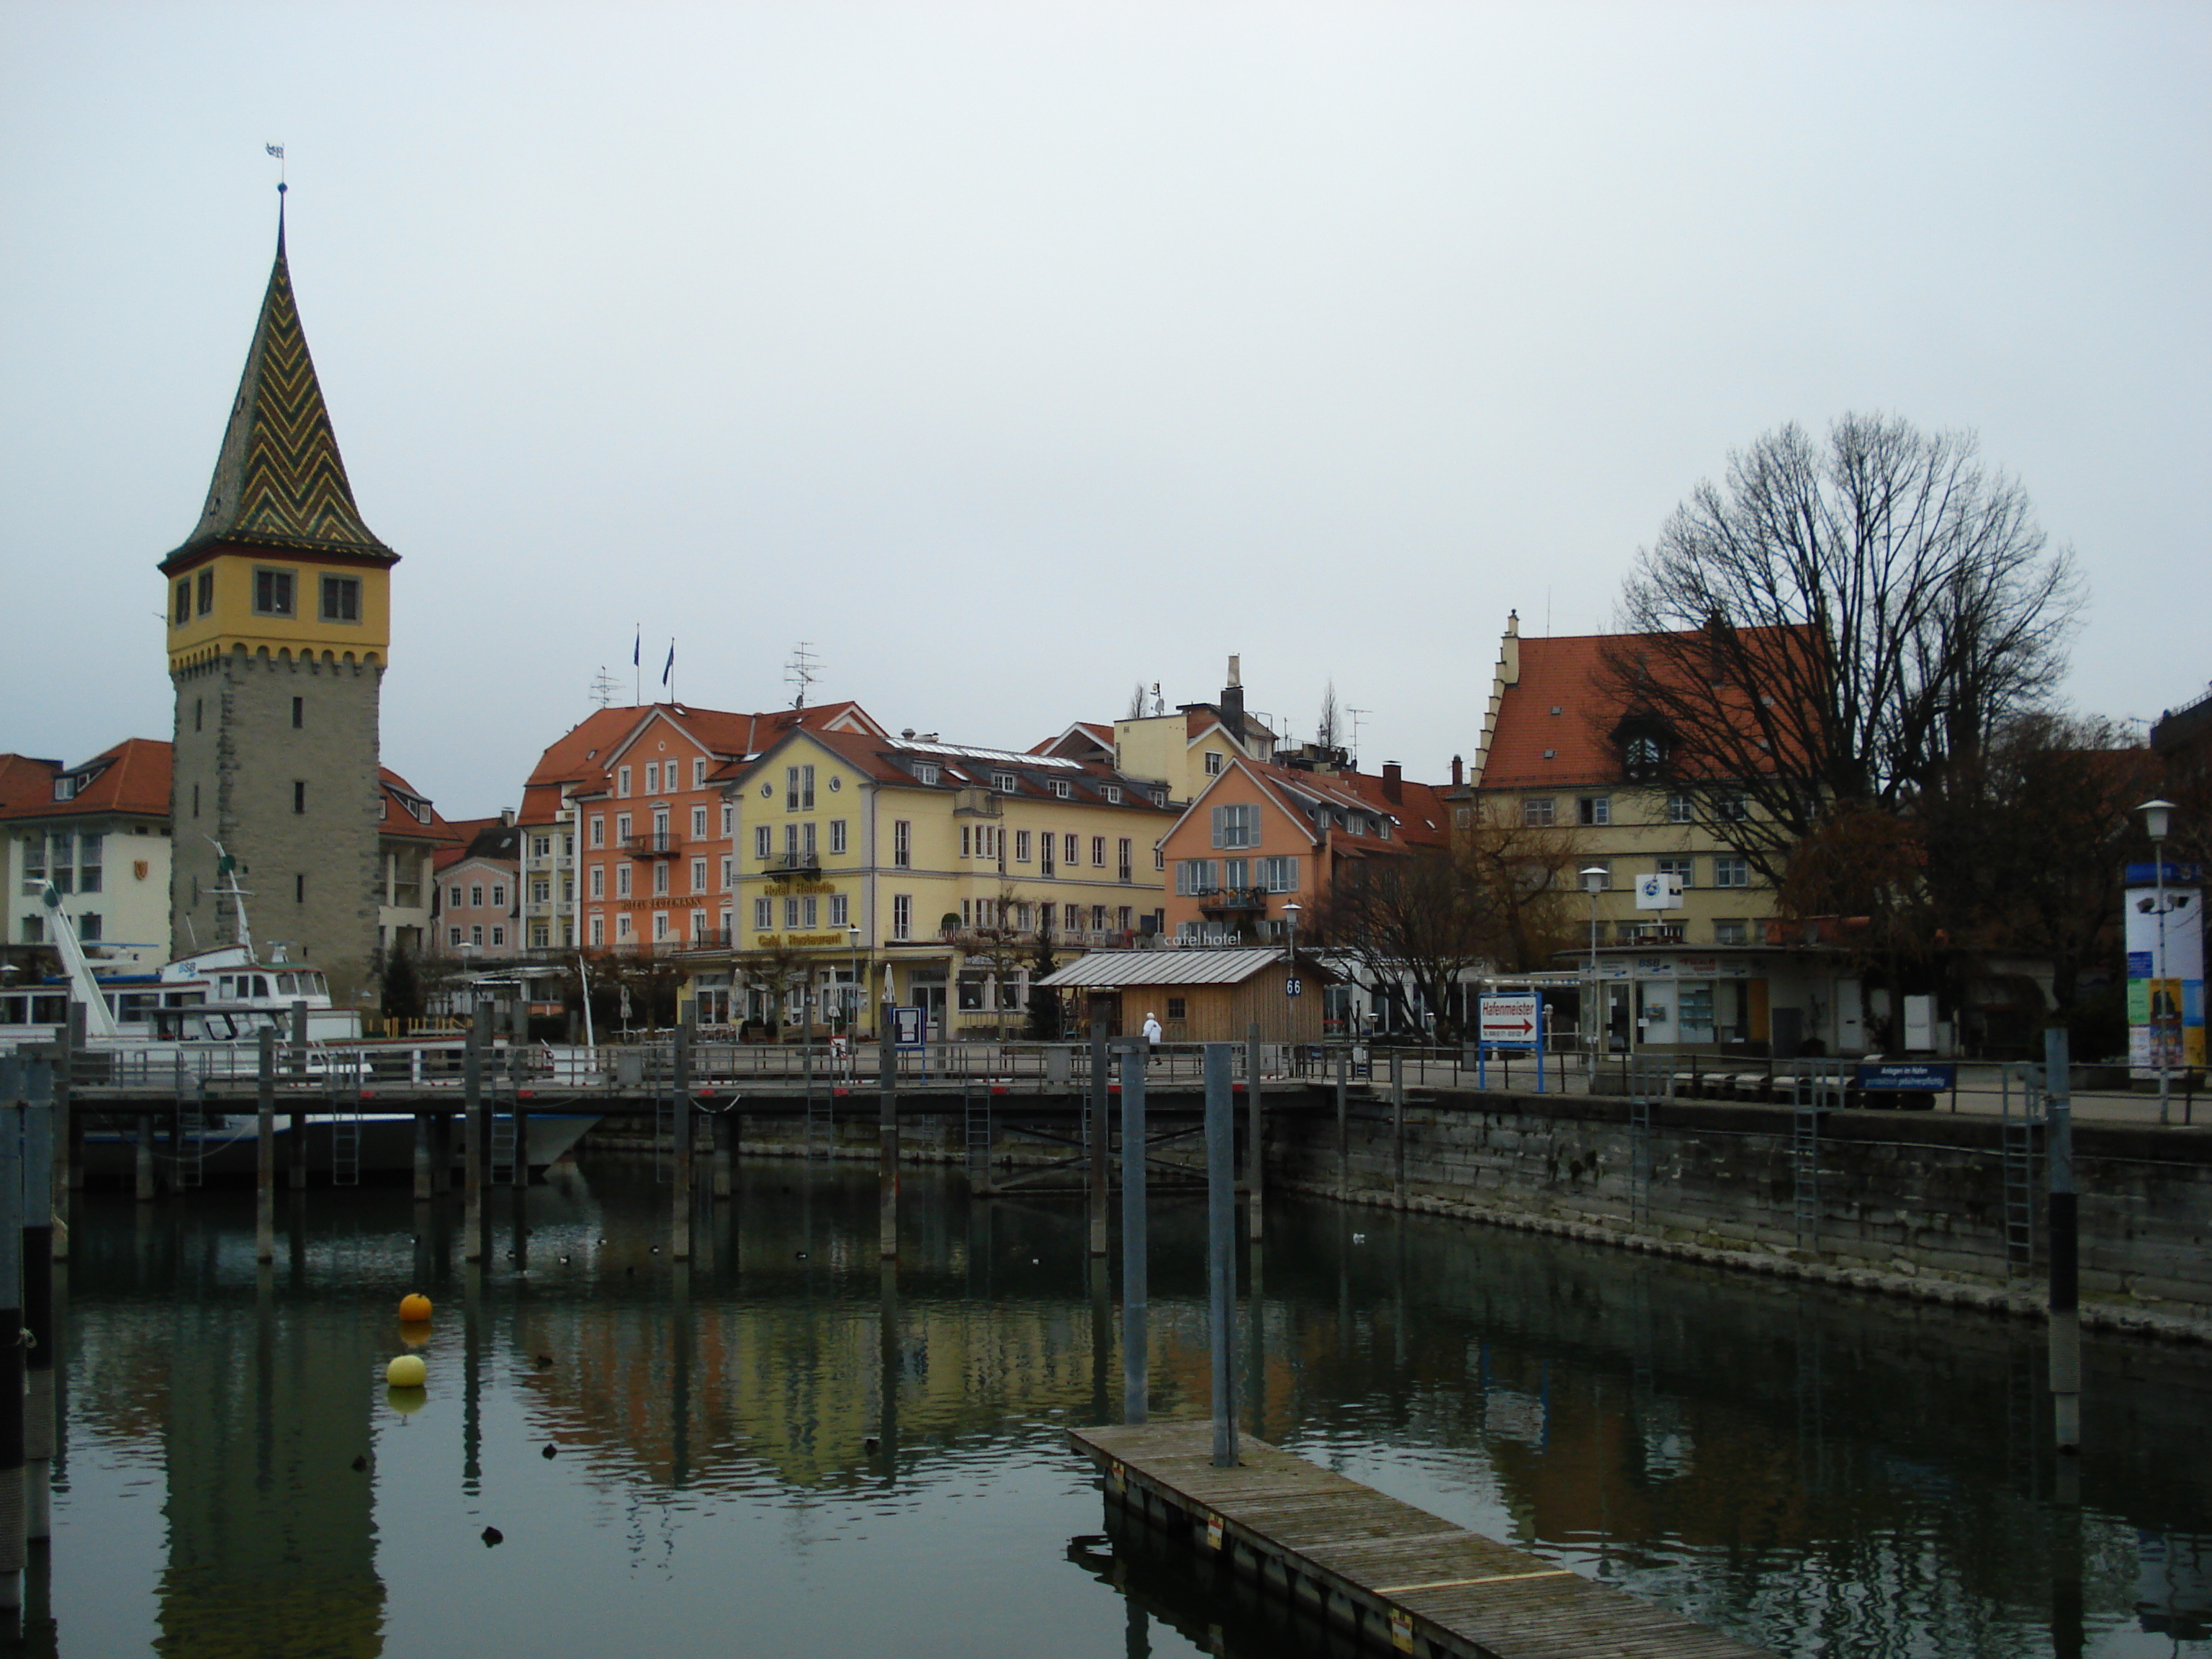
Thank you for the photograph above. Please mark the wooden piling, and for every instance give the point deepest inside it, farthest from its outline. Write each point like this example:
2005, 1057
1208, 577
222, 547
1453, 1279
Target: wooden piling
264, 1155
1256, 1157
1221, 1248
680, 1132
1136, 1284
1102, 1142
725, 1135
12, 1553
472, 1136
1343, 1124
1397, 1129
39, 1316
2064, 1231
296, 1165
887, 1150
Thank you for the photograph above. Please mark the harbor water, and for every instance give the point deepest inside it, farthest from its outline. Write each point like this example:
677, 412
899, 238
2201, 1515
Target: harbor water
783, 1448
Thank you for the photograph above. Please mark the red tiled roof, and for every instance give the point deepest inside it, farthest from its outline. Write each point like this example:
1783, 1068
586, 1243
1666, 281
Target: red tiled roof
584, 755
1555, 724
398, 823
133, 777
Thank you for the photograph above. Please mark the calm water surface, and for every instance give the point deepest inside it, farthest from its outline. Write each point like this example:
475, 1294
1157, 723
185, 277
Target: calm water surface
1811, 1471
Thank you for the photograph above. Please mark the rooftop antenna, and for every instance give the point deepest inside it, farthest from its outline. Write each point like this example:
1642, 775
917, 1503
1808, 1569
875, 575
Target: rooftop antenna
604, 687
1159, 702
801, 670
1356, 714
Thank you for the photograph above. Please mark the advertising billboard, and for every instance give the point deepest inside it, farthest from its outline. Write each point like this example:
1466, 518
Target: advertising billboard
2165, 936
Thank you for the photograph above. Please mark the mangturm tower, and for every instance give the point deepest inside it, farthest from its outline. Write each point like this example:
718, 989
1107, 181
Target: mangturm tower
279, 609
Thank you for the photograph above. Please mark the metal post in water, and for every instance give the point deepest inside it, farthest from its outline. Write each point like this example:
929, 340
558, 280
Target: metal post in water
1397, 1129
472, 1138
143, 1186
1136, 1288
680, 1132
725, 1134
265, 1165
11, 1356
422, 1187
1255, 1158
2064, 1229
887, 1143
69, 1140
1221, 1246
1102, 1140
39, 1309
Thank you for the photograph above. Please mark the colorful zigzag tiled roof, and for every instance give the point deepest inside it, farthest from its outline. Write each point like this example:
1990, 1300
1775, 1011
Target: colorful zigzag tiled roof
279, 481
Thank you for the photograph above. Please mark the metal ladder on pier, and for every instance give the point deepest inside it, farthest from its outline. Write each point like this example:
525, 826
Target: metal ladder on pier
660, 1086
191, 1142
341, 1104
821, 1120
2021, 1143
976, 1136
1650, 1080
504, 1147
1815, 1088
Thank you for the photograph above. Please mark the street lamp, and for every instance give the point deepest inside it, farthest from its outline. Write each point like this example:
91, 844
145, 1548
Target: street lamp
2158, 818
1594, 879
857, 998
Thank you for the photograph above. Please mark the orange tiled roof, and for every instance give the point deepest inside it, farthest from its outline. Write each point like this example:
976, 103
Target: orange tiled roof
584, 755
1554, 724
131, 777
399, 821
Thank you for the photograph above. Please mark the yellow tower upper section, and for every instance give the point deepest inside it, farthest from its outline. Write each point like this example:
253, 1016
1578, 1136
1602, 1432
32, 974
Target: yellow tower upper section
280, 558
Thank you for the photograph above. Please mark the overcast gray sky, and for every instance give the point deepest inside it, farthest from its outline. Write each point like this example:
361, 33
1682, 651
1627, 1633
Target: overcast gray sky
1014, 354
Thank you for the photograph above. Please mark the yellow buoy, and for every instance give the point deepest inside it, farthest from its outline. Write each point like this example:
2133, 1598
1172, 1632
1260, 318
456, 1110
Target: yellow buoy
416, 1333
414, 1308
408, 1371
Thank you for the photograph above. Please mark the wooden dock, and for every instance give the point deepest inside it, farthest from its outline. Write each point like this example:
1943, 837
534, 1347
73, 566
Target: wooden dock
1398, 1578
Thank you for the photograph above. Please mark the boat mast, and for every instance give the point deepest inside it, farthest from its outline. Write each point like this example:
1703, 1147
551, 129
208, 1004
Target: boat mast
99, 1019
227, 868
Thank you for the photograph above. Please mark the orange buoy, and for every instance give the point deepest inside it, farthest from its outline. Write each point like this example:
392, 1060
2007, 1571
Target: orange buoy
414, 1308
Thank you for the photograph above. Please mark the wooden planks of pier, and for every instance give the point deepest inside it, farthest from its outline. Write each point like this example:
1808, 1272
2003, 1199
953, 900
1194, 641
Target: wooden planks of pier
1403, 1580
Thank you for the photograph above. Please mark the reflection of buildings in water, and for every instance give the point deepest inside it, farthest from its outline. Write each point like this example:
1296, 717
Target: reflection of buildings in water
2173, 1585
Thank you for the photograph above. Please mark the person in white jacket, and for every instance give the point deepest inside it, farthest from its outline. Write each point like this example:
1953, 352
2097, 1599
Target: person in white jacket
1151, 1036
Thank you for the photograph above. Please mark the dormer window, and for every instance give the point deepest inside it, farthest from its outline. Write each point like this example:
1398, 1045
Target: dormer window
1003, 782
1062, 789
66, 785
924, 772
1113, 793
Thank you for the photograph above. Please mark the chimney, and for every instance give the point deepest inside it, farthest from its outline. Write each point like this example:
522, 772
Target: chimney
1459, 773
1232, 702
1393, 783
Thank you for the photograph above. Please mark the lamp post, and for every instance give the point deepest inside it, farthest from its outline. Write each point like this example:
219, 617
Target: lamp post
1292, 911
857, 998
2157, 819
1595, 877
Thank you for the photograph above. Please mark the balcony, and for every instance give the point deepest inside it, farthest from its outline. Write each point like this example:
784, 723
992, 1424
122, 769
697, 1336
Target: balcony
654, 844
1232, 902
1654, 933
792, 867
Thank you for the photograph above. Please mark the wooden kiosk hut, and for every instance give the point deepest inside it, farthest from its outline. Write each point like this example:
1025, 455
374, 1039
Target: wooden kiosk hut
1200, 995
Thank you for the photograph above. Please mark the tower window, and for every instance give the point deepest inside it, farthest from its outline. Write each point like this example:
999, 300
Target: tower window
299, 794
205, 582
196, 810
272, 592
342, 598
199, 710
183, 603
299, 890
299, 712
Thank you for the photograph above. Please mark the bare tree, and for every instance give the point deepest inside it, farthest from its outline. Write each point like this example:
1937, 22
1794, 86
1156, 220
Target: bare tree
1136, 703
1524, 880
1415, 917
1327, 733
1836, 623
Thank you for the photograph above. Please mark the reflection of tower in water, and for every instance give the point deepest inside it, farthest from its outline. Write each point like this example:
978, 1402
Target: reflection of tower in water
271, 1531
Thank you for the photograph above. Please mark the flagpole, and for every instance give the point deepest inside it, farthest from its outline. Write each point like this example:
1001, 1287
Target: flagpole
637, 667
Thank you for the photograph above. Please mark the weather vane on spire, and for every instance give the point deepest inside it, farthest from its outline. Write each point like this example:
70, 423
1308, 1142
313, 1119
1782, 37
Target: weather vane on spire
278, 150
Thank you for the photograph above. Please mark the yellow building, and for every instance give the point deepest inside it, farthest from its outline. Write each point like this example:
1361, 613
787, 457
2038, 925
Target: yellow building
874, 869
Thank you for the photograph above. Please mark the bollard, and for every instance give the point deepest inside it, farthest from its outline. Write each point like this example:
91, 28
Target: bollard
1136, 1289
39, 1309
265, 1164
11, 1356
887, 1149
1255, 1158
2063, 1226
1102, 1140
1221, 1246
472, 1139
680, 1133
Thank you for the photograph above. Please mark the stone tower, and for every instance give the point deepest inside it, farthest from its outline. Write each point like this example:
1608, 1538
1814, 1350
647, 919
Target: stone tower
279, 611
